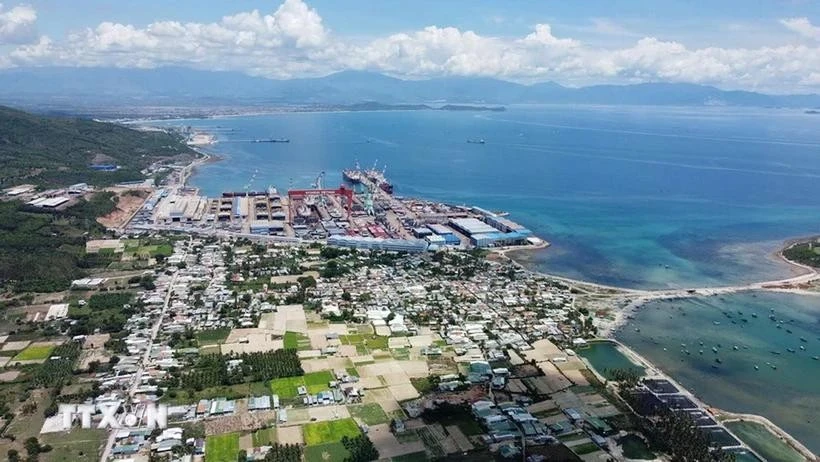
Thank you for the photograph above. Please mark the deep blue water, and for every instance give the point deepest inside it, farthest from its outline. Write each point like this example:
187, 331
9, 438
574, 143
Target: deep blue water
620, 192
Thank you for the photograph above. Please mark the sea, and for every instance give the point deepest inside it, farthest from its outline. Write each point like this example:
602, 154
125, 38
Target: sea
630, 196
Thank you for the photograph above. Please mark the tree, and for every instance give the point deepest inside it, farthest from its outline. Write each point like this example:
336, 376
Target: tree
13, 455
242, 456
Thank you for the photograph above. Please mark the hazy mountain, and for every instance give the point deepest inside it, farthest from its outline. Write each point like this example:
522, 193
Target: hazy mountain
181, 86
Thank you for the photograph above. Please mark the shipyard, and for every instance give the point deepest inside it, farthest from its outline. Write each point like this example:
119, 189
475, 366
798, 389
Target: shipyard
362, 212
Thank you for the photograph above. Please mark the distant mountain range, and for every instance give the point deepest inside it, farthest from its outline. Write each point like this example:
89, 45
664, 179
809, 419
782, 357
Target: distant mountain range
182, 86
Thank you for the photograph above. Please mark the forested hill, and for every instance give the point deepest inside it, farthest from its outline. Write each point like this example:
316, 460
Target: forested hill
52, 151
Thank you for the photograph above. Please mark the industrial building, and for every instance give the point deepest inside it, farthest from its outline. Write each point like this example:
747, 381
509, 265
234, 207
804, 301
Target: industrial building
181, 209
374, 243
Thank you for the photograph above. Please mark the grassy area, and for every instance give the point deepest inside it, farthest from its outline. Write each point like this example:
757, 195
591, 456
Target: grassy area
296, 341
764, 442
422, 384
365, 342
586, 448
34, 352
352, 371
242, 390
212, 336
286, 387
370, 414
264, 437
329, 452
78, 445
330, 431
318, 381
222, 448
401, 354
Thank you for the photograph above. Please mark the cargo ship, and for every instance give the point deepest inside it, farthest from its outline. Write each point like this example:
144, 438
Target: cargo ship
272, 140
379, 179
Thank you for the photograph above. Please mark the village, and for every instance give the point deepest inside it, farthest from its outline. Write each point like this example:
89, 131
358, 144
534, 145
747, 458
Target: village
289, 352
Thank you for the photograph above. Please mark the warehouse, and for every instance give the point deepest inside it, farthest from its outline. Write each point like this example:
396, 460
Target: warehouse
470, 226
373, 243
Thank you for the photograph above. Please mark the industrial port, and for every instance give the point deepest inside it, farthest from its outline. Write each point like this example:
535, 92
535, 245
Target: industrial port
362, 212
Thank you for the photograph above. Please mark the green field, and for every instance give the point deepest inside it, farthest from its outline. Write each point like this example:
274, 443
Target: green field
365, 342
586, 448
331, 431
241, 390
286, 387
329, 452
764, 442
222, 448
296, 341
34, 352
78, 445
264, 437
147, 249
318, 381
212, 336
370, 414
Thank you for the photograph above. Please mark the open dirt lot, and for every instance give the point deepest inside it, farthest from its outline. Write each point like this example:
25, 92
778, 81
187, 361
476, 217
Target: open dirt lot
286, 318
258, 340
404, 392
543, 350
14, 346
289, 435
127, 205
388, 445
385, 368
321, 413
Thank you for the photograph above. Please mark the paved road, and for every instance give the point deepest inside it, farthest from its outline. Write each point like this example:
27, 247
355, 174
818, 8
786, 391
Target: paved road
138, 375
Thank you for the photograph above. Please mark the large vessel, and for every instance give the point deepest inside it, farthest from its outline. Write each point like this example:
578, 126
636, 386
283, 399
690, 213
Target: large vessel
476, 141
272, 140
353, 175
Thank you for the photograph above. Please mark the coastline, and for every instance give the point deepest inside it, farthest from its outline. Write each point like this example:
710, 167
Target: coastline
721, 415
627, 300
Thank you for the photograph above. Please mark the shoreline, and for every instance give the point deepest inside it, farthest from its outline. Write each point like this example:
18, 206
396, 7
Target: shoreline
633, 300
721, 415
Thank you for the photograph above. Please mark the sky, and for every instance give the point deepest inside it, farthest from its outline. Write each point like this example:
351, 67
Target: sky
762, 45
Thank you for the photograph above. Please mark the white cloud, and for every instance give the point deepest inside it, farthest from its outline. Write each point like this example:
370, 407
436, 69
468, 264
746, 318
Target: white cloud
17, 24
803, 27
293, 42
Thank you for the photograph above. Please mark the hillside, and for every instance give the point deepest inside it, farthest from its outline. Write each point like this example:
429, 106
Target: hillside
71, 88
58, 151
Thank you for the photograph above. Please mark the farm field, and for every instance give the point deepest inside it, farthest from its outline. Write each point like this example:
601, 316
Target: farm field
34, 352
212, 336
296, 341
369, 414
328, 452
222, 448
264, 437
331, 431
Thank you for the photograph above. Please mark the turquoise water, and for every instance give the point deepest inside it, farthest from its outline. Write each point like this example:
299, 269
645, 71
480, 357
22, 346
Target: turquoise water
640, 197
605, 355
788, 395
629, 196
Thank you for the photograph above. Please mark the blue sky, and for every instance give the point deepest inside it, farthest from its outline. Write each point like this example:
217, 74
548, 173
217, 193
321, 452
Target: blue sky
729, 43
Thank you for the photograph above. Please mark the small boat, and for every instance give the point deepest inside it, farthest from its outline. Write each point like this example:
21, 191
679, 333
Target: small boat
700, 352
637, 329
714, 366
803, 339
788, 331
802, 348
476, 141
757, 368
790, 350
815, 358
774, 367
775, 352
734, 347
717, 360
714, 349
717, 323
754, 315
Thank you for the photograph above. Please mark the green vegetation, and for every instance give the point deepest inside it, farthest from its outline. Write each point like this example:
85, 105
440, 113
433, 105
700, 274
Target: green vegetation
147, 248
328, 452
369, 414
44, 250
105, 311
634, 448
59, 368
54, 152
296, 341
330, 431
264, 437
213, 370
34, 352
365, 343
764, 442
453, 414
412, 457
806, 253
78, 445
213, 336
424, 384
284, 453
361, 449
222, 448
242, 390
586, 448
286, 387
317, 381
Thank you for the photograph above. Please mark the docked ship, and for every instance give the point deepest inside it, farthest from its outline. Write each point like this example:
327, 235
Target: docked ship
352, 175
380, 180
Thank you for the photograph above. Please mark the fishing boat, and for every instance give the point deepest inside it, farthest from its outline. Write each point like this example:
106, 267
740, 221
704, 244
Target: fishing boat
476, 141
714, 349
757, 368
790, 350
